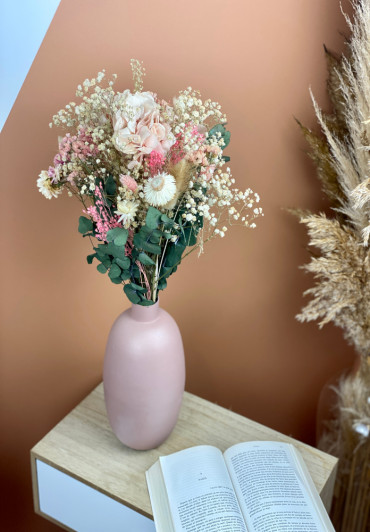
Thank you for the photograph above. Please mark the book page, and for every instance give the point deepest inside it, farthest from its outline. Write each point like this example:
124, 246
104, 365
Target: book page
200, 493
272, 490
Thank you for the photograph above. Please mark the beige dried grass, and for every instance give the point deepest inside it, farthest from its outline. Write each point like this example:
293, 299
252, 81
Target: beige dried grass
182, 172
347, 436
342, 267
341, 264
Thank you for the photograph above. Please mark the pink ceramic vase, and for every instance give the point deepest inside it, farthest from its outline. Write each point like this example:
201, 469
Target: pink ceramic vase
144, 376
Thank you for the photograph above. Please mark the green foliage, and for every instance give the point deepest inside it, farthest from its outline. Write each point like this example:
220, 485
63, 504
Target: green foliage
115, 272
113, 258
148, 244
135, 294
118, 235
187, 233
145, 259
110, 186
101, 268
123, 263
148, 238
225, 135
85, 226
153, 218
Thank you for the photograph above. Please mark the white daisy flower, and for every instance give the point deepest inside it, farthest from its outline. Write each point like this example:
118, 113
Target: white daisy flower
126, 210
45, 186
160, 189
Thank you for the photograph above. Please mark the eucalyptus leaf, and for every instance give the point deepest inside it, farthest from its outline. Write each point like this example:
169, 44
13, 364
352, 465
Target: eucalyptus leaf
121, 239
145, 259
118, 235
190, 236
172, 259
146, 302
134, 254
152, 248
135, 271
107, 262
162, 283
153, 218
114, 272
117, 252
166, 220
85, 225
137, 287
155, 236
90, 258
225, 135
112, 233
125, 275
101, 268
116, 280
141, 242
110, 186
123, 263
131, 294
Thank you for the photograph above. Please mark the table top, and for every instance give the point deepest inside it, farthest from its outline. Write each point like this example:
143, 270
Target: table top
83, 446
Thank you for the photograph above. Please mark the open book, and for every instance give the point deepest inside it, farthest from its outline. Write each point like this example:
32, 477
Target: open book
252, 487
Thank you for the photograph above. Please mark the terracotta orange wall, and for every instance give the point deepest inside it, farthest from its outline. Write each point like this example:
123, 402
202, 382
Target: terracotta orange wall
236, 304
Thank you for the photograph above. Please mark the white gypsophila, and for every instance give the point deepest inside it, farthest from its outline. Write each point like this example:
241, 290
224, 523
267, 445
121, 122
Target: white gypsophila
126, 210
160, 189
45, 186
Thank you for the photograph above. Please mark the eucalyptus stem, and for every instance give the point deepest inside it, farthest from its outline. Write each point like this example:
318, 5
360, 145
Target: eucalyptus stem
196, 246
155, 280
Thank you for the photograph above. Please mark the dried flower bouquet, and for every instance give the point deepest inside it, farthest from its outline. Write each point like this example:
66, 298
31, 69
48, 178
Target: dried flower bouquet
342, 267
151, 177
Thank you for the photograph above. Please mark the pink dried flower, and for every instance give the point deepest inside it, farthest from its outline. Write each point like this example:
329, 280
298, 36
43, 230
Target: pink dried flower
198, 131
102, 216
128, 182
156, 162
215, 150
208, 172
79, 146
53, 174
177, 150
198, 157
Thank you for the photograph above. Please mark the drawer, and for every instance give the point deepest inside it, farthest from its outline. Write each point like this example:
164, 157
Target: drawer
79, 507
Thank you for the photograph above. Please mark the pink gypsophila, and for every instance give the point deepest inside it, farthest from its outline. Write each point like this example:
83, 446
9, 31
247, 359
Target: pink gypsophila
79, 146
102, 216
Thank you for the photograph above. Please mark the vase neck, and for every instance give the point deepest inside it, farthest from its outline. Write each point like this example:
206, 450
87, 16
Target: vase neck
140, 313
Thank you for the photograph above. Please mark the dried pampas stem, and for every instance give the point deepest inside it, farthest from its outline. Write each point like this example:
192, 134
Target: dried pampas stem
341, 268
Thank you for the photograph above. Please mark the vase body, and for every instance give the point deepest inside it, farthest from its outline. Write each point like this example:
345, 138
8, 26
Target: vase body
143, 376
343, 430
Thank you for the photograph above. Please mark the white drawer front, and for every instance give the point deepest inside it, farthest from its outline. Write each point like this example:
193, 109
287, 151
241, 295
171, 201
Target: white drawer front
83, 508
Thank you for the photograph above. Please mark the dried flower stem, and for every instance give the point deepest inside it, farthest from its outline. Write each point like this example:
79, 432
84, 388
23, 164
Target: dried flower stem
341, 269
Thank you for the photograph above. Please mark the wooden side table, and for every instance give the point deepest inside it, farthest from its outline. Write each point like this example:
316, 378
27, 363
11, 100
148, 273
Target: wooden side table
84, 479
